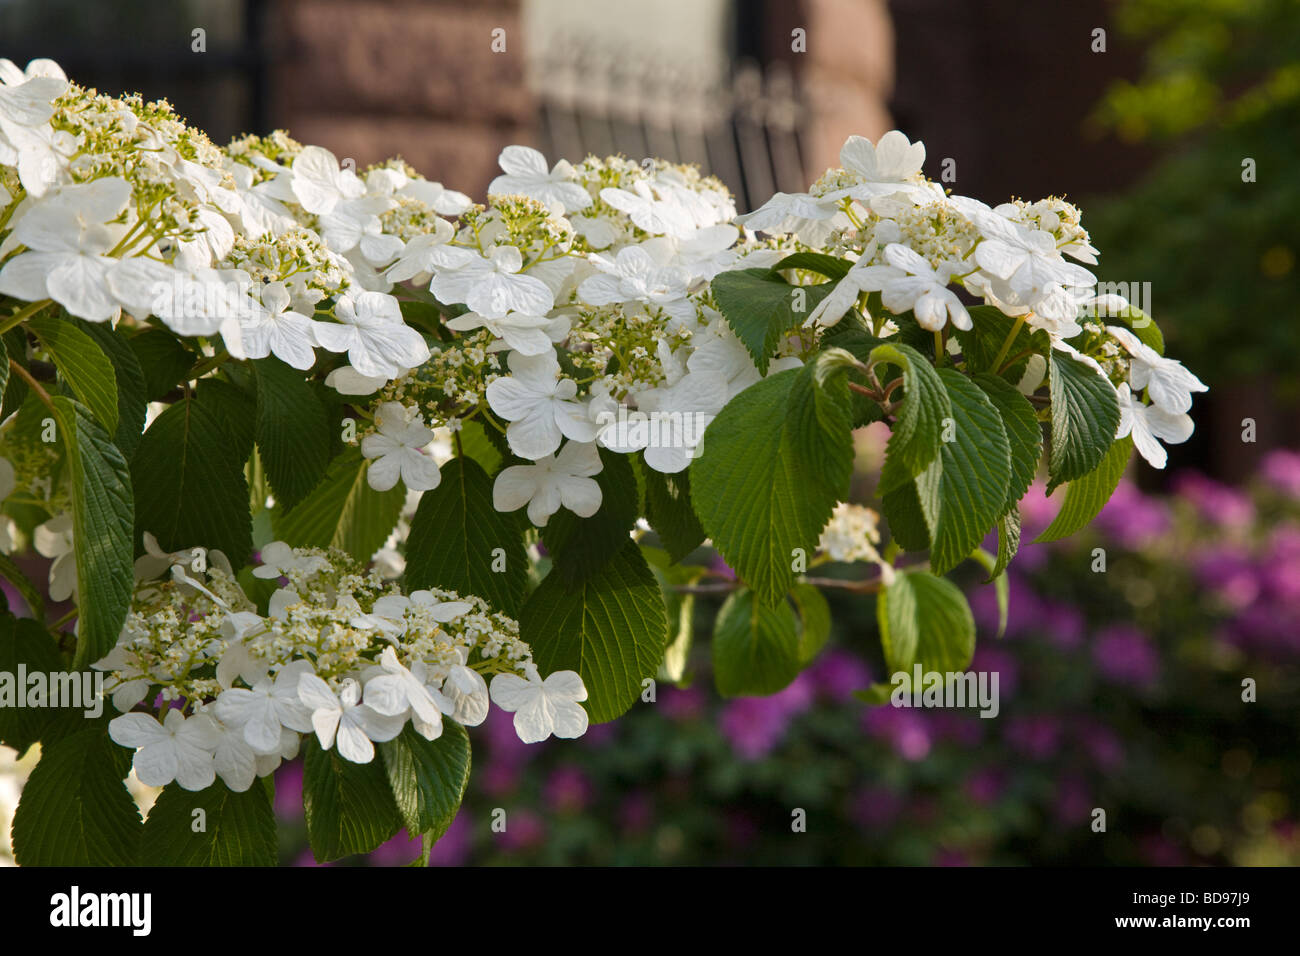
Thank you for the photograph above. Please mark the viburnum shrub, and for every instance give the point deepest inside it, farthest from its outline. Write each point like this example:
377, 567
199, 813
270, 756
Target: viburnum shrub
328, 461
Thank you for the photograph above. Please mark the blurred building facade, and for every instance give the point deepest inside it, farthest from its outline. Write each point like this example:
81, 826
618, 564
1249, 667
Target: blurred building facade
761, 93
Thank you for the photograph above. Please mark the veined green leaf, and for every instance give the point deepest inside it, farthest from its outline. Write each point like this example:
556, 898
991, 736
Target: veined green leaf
293, 432
1086, 496
969, 479
580, 547
760, 307
832, 267
342, 511
459, 541
814, 620
238, 828
131, 400
164, 359
1024, 434
669, 511
998, 578
102, 520
1085, 416
75, 810
25, 643
775, 462
349, 806
428, 777
1008, 541
190, 489
609, 627
755, 647
1144, 327
83, 365
925, 619
918, 429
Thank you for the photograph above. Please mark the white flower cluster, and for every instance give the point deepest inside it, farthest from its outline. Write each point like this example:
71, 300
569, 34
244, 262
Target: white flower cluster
915, 245
593, 280
339, 653
851, 533
573, 311
114, 206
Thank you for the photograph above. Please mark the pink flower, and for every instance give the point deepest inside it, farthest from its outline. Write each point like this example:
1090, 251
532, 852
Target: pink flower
1125, 655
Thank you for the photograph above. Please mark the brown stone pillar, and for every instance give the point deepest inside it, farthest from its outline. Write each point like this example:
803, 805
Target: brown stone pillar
370, 79
846, 72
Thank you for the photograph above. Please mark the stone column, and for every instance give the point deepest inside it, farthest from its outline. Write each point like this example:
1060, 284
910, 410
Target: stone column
846, 71
371, 79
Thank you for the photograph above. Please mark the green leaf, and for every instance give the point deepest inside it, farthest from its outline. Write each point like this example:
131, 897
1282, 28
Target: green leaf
1086, 496
580, 547
83, 365
858, 342
23, 642
919, 426
760, 307
969, 478
4, 374
925, 619
75, 810
29, 591
293, 432
814, 620
1144, 327
755, 647
955, 500
610, 628
428, 777
475, 443
1085, 415
831, 267
235, 408
998, 578
131, 399
982, 343
349, 806
343, 511
681, 610
460, 542
1024, 434
775, 462
1008, 541
681, 635
238, 829
190, 489
164, 359
669, 511
901, 508
102, 519
14, 343
876, 695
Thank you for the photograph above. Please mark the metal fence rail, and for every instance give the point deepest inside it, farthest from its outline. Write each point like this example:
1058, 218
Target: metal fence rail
743, 128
